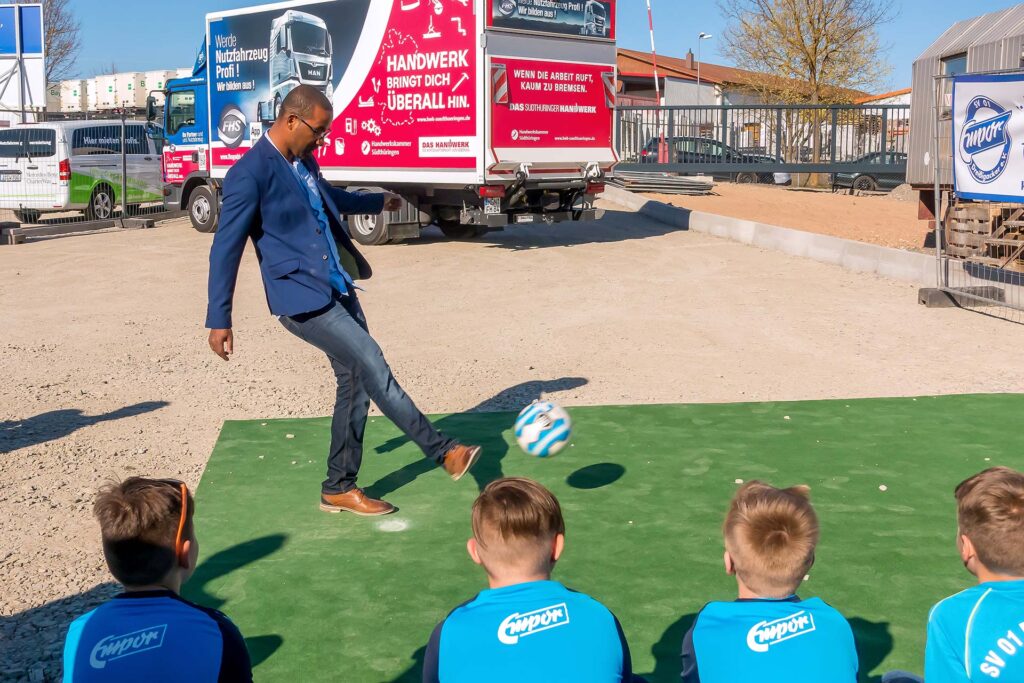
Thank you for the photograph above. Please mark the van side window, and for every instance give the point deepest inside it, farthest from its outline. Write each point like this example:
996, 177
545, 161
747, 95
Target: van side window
96, 140
136, 141
181, 108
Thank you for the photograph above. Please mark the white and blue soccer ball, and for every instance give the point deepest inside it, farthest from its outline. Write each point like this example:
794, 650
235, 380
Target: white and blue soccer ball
543, 428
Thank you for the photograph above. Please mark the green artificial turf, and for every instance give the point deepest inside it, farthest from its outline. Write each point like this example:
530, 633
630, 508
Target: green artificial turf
325, 597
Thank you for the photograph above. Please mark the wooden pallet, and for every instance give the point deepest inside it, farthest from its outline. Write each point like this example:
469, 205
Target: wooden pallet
990, 233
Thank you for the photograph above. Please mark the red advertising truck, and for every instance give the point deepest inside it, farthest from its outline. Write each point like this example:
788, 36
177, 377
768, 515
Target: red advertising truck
479, 113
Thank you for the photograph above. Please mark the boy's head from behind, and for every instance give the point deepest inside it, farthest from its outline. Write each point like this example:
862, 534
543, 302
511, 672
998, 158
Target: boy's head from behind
990, 516
770, 536
518, 530
148, 538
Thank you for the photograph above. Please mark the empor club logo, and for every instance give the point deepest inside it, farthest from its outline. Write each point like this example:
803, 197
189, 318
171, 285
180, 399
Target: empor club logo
231, 129
985, 141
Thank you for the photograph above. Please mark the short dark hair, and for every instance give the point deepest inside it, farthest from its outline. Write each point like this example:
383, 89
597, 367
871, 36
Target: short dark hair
515, 520
990, 512
303, 99
139, 523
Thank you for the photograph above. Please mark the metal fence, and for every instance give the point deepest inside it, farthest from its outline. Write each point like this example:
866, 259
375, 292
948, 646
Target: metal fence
979, 245
59, 176
763, 138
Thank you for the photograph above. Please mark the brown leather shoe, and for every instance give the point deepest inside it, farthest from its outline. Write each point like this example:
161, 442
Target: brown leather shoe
459, 459
356, 502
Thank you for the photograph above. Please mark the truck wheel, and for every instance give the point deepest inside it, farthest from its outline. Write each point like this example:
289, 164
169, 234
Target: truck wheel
101, 204
369, 229
27, 216
746, 178
202, 209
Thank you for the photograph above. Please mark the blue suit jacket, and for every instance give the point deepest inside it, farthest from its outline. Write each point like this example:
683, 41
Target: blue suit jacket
265, 202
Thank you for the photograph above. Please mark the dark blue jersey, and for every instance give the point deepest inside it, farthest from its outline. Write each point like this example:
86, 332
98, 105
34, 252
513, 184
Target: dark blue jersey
536, 631
154, 636
769, 640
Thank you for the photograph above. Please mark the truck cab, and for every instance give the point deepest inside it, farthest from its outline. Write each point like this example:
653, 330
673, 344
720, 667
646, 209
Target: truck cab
300, 54
595, 19
186, 166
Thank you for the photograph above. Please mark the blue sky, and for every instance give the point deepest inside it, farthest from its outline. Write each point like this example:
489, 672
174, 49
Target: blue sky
143, 40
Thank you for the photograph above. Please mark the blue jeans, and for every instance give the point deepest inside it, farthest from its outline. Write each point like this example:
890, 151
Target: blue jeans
340, 331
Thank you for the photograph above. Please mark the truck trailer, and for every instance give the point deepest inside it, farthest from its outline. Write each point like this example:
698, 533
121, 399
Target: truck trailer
479, 113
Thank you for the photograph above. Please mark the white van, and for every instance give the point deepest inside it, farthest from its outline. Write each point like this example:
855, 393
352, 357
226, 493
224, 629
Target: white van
76, 165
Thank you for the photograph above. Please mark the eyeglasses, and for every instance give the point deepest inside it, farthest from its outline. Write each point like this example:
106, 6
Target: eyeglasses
178, 540
318, 135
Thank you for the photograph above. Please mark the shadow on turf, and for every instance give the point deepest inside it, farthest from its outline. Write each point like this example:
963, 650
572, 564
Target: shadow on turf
491, 438
873, 640
32, 431
226, 561
596, 476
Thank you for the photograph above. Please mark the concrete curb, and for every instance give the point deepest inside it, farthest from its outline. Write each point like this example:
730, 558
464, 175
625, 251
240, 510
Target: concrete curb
856, 256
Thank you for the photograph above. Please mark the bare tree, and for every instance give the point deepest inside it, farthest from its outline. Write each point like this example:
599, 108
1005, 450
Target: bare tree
816, 51
62, 37
813, 52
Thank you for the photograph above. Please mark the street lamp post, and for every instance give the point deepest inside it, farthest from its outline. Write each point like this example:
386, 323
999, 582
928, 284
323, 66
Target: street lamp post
700, 38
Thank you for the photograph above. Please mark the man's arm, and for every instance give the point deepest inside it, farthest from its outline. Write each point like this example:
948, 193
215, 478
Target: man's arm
362, 202
239, 213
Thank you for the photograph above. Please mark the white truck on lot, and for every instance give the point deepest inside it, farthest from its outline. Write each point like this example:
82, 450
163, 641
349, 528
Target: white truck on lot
479, 113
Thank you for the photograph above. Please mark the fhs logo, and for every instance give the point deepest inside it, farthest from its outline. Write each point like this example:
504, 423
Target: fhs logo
231, 129
116, 647
516, 626
985, 141
764, 634
507, 7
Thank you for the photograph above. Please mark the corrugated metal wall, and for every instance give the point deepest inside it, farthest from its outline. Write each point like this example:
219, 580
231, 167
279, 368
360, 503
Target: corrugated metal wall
992, 42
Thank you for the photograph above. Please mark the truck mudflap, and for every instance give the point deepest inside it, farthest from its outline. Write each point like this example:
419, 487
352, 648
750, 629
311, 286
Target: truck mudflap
496, 221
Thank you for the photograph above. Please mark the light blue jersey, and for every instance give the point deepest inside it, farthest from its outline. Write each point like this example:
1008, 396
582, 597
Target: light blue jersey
977, 635
536, 631
769, 640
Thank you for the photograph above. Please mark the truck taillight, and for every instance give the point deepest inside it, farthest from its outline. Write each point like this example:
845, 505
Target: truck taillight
595, 188
491, 191
64, 170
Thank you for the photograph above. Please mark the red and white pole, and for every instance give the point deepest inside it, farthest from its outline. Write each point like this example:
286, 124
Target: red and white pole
662, 147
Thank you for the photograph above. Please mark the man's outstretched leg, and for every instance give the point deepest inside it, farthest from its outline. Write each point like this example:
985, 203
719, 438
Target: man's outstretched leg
362, 372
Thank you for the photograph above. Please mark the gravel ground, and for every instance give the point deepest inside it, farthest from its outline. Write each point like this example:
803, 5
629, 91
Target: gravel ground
106, 372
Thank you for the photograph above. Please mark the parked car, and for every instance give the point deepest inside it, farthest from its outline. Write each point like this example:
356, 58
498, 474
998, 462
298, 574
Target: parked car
893, 175
69, 165
696, 150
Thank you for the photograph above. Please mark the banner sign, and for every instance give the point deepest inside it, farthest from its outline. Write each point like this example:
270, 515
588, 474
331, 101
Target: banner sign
551, 104
589, 18
402, 75
988, 136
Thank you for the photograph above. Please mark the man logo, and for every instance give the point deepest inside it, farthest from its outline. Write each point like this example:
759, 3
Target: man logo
516, 626
764, 634
985, 141
231, 129
507, 7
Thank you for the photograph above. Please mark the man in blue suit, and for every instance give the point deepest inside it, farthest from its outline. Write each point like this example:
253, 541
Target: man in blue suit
276, 197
